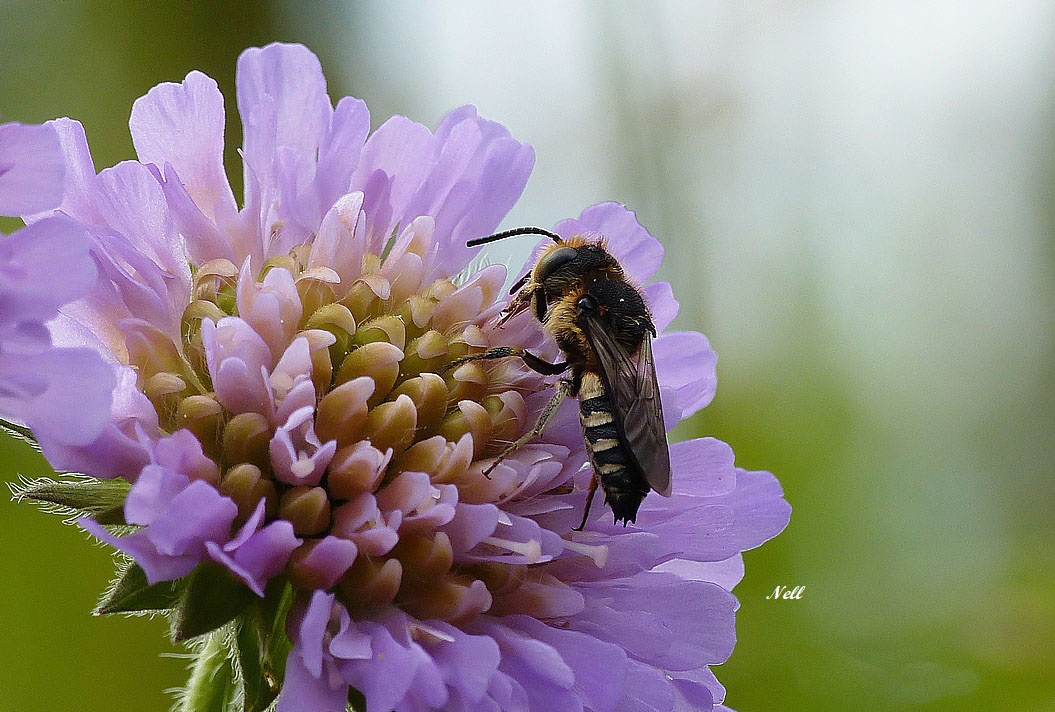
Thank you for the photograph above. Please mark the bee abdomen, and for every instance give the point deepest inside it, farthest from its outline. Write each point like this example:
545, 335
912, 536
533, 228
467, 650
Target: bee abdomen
623, 486
596, 431
624, 491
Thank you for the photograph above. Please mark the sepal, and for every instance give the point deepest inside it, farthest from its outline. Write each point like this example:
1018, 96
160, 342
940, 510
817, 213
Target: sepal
240, 665
259, 687
20, 433
211, 598
102, 500
262, 646
132, 593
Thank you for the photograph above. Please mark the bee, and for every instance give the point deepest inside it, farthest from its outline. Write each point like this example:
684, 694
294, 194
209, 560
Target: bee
599, 320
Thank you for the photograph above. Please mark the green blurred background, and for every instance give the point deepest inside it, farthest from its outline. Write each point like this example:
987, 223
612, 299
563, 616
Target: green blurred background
858, 205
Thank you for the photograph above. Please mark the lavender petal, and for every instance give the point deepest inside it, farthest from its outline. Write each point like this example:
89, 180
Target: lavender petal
181, 125
31, 169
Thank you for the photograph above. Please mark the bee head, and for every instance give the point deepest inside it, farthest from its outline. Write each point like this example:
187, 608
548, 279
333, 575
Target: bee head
560, 267
573, 261
552, 259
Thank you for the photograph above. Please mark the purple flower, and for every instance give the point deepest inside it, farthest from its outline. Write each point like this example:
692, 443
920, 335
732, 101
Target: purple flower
184, 520
279, 411
62, 394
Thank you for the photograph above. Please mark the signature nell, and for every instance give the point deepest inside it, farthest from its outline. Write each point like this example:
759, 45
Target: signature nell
786, 593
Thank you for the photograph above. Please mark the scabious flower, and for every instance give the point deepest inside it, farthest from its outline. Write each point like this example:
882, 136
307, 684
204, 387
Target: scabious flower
62, 394
290, 442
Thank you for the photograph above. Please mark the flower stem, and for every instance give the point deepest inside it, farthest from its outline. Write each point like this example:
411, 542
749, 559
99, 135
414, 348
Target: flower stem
211, 685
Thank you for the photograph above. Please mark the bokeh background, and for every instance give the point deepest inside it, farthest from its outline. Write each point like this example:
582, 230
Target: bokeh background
858, 205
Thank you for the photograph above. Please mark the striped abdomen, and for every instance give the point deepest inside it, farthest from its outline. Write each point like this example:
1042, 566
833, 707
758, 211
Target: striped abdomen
624, 486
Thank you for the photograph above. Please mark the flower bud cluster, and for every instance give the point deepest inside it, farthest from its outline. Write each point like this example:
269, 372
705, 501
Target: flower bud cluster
320, 396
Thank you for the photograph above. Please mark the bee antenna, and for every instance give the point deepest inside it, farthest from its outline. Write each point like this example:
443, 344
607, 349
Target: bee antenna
512, 233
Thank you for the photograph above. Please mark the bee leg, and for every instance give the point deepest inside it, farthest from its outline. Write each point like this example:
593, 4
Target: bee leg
589, 501
530, 360
564, 387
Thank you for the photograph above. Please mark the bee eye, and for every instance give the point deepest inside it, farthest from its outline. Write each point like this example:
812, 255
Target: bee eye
553, 261
586, 305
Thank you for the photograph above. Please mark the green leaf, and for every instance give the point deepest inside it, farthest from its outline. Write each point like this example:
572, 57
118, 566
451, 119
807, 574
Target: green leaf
212, 686
131, 593
79, 497
262, 646
212, 597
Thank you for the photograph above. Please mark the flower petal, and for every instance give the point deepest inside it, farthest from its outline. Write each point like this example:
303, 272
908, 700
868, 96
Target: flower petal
301, 690
599, 668
341, 239
80, 171
237, 359
157, 565
638, 252
761, 510
467, 662
70, 404
685, 362
42, 267
661, 302
119, 451
182, 125
725, 573
647, 689
285, 117
340, 150
393, 164
478, 174
700, 615
261, 557
196, 515
703, 467
543, 674
715, 528
329, 560
31, 169
387, 675
310, 630
131, 202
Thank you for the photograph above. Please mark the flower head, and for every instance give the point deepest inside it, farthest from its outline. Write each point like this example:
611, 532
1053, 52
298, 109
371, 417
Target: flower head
284, 415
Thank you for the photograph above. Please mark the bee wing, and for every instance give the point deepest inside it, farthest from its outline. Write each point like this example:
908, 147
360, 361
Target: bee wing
634, 390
